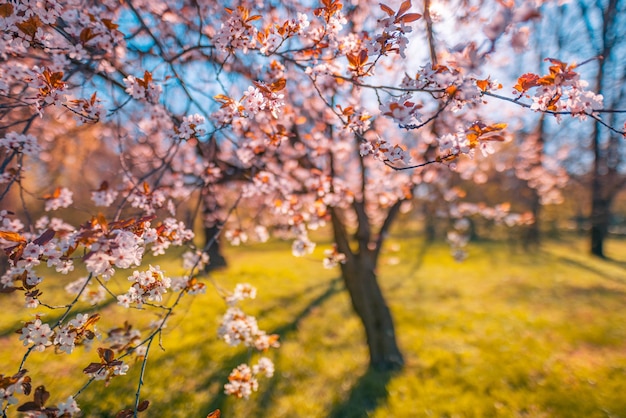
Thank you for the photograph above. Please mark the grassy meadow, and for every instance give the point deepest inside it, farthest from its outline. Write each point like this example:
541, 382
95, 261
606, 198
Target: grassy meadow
503, 334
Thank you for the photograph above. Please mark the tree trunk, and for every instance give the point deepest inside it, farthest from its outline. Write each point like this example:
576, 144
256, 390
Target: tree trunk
430, 219
370, 306
606, 158
216, 259
212, 228
600, 218
532, 233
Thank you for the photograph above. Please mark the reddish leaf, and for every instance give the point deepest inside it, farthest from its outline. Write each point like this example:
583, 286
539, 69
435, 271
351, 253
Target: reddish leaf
104, 186
54, 80
30, 26
41, 395
110, 25
45, 237
278, 85
482, 84
102, 222
55, 194
28, 406
451, 90
87, 35
92, 368
409, 17
125, 413
143, 405
214, 414
495, 127
107, 355
222, 98
6, 290
6, 10
92, 320
12, 236
387, 9
406, 5
363, 56
526, 81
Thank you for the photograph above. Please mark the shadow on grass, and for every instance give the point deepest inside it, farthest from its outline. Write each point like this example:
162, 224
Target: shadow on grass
591, 269
368, 392
618, 263
221, 375
421, 255
414, 267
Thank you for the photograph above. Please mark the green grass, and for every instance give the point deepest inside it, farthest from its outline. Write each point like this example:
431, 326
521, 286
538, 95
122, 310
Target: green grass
504, 334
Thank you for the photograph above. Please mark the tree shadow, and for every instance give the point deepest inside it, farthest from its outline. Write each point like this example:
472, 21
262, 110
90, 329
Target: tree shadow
618, 263
368, 392
417, 264
421, 255
221, 374
591, 269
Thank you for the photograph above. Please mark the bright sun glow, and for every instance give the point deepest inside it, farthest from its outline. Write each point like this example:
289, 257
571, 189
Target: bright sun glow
439, 11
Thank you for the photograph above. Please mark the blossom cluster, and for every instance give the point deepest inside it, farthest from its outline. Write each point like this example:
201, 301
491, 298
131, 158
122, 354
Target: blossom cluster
237, 33
107, 246
13, 385
143, 88
243, 380
402, 110
560, 91
275, 35
61, 198
238, 328
579, 102
86, 110
24, 143
149, 285
104, 196
190, 127
78, 331
382, 150
67, 31
236, 236
395, 28
107, 368
256, 102
263, 97
332, 258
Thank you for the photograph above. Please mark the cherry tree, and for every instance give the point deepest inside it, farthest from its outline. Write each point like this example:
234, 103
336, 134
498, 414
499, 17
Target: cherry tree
270, 119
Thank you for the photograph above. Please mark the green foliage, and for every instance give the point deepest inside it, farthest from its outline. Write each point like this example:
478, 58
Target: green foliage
502, 334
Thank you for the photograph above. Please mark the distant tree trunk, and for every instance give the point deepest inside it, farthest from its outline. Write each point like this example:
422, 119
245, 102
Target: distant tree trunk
600, 219
532, 233
430, 220
599, 205
216, 259
212, 228
607, 148
370, 305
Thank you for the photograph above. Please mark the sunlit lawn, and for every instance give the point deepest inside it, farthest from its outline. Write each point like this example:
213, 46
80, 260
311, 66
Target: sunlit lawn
503, 334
